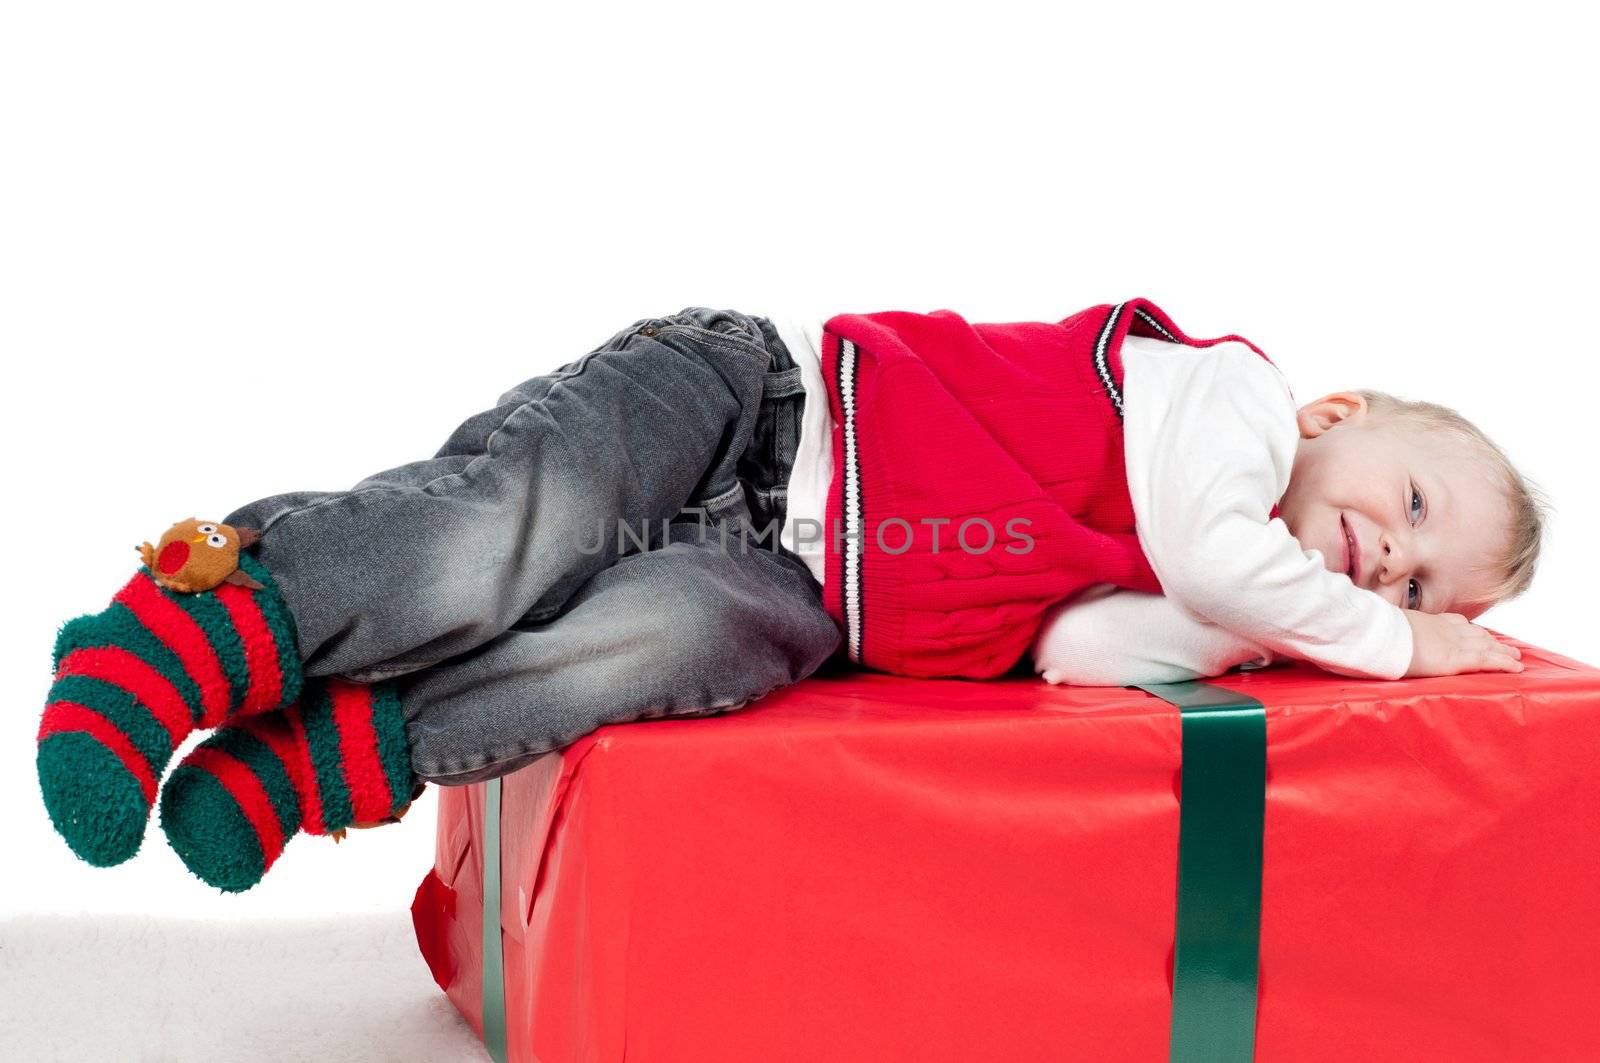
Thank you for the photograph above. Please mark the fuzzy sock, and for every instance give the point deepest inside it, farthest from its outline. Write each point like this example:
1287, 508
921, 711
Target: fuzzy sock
335, 759
131, 683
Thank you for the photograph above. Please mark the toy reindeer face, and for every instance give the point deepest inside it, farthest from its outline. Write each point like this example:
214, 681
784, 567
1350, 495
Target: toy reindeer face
197, 555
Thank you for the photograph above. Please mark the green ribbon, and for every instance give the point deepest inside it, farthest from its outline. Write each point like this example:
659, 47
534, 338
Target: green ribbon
1220, 820
494, 975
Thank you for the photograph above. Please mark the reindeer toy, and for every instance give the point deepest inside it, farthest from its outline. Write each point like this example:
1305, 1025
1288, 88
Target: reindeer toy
196, 555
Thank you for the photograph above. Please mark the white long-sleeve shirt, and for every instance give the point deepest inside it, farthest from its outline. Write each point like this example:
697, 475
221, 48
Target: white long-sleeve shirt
1209, 439
1209, 443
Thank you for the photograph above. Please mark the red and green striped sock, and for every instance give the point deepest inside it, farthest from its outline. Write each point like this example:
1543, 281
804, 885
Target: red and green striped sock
132, 682
337, 758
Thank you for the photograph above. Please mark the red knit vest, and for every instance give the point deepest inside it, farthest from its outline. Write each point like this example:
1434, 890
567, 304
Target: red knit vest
978, 479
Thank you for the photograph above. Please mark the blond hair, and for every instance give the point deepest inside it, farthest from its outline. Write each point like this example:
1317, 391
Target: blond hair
1529, 505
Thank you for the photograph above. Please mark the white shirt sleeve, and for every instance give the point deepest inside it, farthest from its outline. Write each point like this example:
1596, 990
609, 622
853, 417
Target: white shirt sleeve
1210, 438
1111, 636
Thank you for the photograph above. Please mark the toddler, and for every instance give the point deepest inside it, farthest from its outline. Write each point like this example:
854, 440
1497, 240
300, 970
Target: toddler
711, 505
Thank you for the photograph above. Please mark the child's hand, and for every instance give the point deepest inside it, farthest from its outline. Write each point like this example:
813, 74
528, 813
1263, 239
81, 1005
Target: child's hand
1449, 644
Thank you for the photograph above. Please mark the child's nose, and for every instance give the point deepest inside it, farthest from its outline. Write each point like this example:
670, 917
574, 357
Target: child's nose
1395, 554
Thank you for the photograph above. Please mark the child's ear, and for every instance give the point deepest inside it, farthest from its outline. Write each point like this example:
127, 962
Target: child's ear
1315, 418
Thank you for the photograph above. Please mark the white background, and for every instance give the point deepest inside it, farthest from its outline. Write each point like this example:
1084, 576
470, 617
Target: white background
249, 249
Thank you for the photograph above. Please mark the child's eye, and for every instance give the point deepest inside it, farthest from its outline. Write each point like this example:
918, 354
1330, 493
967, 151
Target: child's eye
1413, 596
1416, 502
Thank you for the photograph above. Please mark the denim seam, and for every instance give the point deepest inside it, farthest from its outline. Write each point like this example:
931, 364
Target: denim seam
488, 760
725, 340
462, 475
725, 496
338, 497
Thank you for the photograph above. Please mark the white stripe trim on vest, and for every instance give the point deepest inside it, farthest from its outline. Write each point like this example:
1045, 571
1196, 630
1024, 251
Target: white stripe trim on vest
850, 593
1149, 319
1101, 363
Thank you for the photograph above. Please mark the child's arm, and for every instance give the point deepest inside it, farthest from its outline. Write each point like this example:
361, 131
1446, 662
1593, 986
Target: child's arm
1207, 459
1108, 636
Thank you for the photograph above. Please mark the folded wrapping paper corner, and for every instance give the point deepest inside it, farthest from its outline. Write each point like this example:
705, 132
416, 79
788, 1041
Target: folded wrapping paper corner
433, 910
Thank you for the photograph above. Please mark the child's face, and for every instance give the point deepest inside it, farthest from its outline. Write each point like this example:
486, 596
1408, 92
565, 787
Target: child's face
1425, 520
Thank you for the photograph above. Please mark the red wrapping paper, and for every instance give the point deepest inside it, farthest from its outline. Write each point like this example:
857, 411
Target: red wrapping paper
867, 867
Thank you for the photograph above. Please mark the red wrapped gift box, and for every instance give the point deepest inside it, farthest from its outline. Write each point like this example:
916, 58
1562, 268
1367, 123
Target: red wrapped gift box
866, 867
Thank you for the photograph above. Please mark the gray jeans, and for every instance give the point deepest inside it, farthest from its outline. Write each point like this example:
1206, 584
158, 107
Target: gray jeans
495, 582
